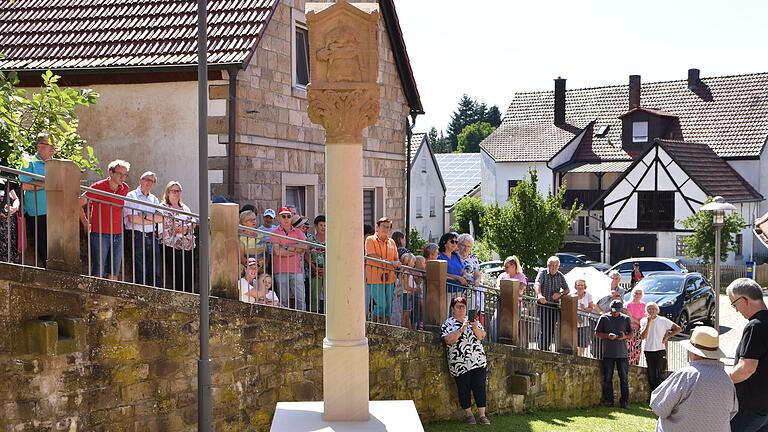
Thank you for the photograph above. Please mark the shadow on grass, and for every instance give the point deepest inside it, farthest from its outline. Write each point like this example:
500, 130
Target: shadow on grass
636, 419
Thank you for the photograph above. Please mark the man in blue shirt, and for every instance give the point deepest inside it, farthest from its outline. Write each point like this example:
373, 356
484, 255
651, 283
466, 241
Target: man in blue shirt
35, 212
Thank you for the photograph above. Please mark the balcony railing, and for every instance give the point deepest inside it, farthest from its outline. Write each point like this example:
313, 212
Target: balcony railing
583, 196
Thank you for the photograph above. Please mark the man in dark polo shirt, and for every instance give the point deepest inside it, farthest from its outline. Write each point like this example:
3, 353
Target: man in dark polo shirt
550, 285
614, 329
750, 373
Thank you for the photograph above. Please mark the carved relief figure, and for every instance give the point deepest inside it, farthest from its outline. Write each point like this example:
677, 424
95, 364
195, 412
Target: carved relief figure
342, 52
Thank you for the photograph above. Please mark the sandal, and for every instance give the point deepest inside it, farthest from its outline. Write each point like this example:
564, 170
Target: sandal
471, 420
485, 420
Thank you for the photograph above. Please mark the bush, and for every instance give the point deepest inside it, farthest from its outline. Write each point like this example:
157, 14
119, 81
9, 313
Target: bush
483, 251
469, 209
415, 242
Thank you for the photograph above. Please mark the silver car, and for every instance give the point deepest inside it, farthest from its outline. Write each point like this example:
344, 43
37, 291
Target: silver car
648, 265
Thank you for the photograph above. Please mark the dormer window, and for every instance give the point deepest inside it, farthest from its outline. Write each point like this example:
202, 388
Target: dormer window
640, 132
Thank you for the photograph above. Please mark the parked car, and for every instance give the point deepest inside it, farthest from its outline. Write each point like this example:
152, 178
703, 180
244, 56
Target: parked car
648, 266
571, 260
684, 298
490, 264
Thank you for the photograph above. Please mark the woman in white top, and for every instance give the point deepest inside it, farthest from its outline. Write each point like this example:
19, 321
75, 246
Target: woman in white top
655, 331
585, 304
248, 292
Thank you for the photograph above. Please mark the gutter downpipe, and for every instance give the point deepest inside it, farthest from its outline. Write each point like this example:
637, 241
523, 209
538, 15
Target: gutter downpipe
204, 403
408, 135
232, 130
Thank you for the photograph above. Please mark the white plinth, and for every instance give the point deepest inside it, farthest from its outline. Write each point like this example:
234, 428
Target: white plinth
390, 416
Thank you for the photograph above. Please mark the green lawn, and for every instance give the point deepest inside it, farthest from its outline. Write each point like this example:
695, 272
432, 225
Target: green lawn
599, 419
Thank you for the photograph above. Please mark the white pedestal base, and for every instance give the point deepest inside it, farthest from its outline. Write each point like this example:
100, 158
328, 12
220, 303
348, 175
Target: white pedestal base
390, 416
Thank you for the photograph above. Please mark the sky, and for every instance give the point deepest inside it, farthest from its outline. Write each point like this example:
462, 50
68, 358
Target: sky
490, 49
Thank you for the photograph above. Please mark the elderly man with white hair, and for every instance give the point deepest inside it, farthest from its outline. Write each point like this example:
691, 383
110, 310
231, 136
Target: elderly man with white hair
750, 373
550, 285
142, 226
699, 397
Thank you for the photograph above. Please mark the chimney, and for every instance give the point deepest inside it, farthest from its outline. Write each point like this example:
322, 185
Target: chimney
634, 91
693, 79
559, 101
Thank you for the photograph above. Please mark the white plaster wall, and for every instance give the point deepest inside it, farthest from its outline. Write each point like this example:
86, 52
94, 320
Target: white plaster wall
756, 173
152, 126
515, 171
425, 184
487, 177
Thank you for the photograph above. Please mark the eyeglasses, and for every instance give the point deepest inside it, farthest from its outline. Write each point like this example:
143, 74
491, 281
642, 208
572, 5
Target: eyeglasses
120, 174
285, 216
174, 190
452, 241
733, 303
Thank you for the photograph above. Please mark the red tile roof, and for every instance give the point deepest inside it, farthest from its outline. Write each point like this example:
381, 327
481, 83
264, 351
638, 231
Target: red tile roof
74, 34
729, 113
713, 175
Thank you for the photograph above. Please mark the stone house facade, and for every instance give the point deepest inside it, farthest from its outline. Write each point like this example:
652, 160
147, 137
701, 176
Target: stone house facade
262, 148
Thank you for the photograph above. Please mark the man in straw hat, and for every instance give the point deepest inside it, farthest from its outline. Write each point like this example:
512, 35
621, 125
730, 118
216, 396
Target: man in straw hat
750, 373
700, 396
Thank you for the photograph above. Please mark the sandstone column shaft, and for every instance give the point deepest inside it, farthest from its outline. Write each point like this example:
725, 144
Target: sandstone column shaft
62, 185
225, 251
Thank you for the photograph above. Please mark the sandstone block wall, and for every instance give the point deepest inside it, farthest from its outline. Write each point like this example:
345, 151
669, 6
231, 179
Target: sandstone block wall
138, 369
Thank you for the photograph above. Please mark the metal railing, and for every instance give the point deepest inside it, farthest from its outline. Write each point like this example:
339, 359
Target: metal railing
397, 296
539, 324
138, 241
23, 221
588, 344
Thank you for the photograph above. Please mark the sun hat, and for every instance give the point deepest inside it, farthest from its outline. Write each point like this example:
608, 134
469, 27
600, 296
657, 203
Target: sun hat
704, 342
298, 220
270, 213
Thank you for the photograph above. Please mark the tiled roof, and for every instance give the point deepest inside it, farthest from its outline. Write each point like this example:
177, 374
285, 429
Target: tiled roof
713, 175
74, 34
729, 113
596, 167
416, 140
461, 174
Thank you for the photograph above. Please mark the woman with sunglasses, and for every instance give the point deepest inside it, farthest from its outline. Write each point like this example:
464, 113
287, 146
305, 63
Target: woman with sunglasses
448, 246
178, 238
467, 362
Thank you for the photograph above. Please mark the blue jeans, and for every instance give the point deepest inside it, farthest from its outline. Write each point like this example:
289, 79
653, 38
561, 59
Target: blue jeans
622, 364
291, 285
146, 258
748, 421
106, 254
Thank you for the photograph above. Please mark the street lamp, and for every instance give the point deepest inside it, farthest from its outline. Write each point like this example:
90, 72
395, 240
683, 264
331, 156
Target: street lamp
718, 207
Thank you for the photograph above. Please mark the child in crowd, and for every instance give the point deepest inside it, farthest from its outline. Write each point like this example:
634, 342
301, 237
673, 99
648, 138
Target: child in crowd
408, 288
264, 293
245, 284
420, 263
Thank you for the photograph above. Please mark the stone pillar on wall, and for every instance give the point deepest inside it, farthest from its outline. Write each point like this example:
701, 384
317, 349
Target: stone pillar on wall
568, 324
62, 185
435, 293
225, 251
509, 312
343, 98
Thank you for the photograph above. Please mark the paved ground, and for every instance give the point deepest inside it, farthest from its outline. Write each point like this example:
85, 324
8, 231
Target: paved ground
731, 326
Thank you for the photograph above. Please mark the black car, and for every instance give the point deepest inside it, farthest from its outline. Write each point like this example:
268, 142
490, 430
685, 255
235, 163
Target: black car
571, 260
684, 298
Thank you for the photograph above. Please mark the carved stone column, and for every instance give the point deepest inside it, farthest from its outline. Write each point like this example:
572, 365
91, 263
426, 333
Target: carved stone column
344, 99
225, 251
62, 183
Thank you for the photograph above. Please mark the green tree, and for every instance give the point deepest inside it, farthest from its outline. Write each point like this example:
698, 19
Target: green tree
472, 135
466, 210
415, 242
493, 116
466, 113
529, 225
701, 244
50, 110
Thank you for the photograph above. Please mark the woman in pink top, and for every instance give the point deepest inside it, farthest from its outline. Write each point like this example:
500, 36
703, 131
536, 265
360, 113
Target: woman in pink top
514, 271
636, 310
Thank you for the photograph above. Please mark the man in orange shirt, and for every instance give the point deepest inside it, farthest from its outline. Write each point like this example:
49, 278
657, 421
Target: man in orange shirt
380, 276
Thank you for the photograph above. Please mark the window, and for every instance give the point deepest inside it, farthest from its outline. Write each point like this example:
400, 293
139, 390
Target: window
301, 65
656, 210
369, 207
583, 229
567, 259
510, 185
432, 206
739, 244
296, 196
680, 245
639, 132
423, 163
654, 266
419, 211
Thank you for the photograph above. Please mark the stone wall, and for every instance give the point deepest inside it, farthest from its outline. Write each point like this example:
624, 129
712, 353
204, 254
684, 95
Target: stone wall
137, 370
274, 135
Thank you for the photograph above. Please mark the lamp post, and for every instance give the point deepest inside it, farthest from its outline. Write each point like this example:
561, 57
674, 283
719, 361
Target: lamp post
718, 207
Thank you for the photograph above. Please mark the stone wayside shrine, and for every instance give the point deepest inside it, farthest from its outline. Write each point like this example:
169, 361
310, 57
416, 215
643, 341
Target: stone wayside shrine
343, 98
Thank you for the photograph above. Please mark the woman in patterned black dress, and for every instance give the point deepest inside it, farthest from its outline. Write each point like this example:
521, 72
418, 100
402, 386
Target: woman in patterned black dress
9, 205
466, 358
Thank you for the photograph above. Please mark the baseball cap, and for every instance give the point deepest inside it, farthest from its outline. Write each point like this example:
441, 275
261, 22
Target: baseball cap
617, 305
252, 261
270, 213
284, 210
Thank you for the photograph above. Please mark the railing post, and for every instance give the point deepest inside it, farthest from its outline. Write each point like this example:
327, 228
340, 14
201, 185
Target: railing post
225, 251
509, 312
62, 185
568, 324
436, 292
